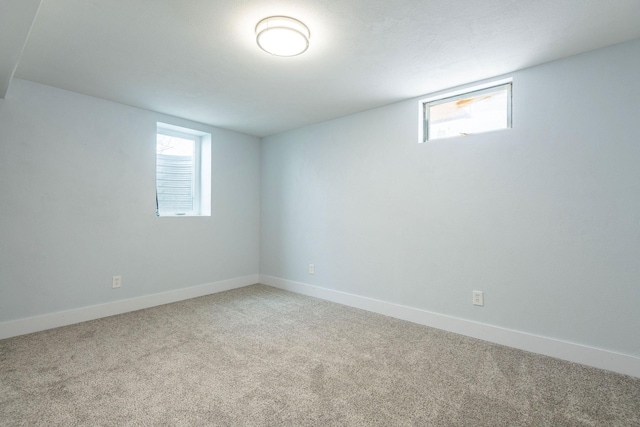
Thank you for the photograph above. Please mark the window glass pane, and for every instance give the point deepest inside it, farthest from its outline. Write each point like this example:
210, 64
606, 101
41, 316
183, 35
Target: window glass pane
175, 170
476, 112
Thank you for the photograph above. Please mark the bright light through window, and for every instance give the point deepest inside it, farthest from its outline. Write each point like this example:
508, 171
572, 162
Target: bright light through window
475, 112
174, 146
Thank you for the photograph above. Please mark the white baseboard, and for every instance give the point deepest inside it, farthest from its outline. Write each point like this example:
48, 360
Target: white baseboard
577, 353
28, 325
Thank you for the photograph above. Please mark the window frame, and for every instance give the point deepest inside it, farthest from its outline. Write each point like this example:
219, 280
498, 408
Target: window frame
470, 92
201, 178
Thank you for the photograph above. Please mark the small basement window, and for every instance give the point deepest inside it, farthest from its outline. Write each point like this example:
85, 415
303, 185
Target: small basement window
467, 113
183, 171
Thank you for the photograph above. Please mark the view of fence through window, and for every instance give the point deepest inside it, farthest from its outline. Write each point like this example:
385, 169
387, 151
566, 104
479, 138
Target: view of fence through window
175, 174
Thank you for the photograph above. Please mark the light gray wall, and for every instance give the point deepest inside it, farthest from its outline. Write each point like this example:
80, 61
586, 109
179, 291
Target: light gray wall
77, 205
544, 218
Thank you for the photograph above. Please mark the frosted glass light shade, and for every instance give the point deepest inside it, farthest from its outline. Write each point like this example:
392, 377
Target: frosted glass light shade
282, 36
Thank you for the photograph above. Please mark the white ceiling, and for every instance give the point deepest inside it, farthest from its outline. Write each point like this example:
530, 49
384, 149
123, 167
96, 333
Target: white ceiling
198, 59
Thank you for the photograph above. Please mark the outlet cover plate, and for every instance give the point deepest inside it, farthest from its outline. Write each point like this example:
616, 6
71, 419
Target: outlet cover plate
478, 298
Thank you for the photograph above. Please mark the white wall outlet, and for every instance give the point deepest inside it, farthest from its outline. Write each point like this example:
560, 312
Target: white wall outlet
478, 298
116, 282
312, 269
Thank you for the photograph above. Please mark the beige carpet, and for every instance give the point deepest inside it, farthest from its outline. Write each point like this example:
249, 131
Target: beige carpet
261, 356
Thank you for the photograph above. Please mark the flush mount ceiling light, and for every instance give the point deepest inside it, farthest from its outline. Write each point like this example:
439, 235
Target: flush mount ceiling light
282, 36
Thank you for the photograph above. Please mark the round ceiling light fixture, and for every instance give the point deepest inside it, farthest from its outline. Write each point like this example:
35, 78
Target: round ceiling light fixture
282, 36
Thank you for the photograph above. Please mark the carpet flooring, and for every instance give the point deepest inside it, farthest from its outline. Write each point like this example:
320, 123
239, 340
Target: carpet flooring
259, 356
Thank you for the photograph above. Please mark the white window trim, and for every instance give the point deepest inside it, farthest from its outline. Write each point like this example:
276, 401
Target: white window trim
460, 92
202, 168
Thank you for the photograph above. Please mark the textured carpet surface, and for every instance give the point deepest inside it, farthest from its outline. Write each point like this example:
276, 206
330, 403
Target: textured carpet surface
261, 356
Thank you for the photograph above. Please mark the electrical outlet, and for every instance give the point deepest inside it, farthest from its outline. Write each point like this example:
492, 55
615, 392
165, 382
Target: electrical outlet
116, 282
312, 269
478, 298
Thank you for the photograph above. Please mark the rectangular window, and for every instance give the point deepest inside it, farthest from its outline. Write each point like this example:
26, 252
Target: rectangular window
183, 172
464, 114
